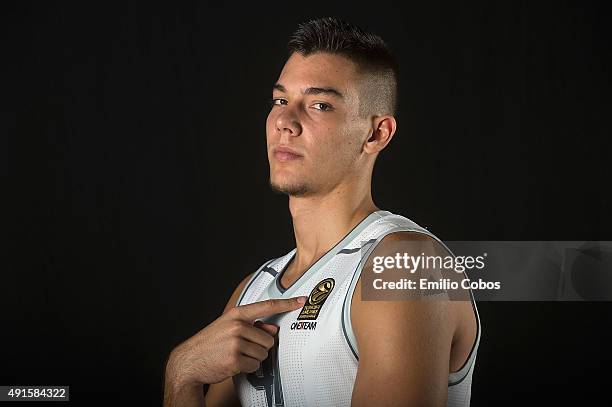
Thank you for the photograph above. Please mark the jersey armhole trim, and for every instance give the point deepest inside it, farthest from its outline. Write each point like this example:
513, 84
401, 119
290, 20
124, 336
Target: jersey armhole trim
251, 281
457, 377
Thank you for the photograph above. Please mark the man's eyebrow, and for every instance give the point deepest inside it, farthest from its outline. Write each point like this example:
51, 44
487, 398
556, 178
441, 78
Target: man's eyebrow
313, 91
329, 91
279, 87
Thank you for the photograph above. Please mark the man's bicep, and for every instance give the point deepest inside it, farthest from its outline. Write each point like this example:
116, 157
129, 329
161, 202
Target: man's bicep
404, 351
404, 345
222, 394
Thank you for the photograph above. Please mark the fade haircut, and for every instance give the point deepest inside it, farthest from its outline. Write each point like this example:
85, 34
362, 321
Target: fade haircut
370, 54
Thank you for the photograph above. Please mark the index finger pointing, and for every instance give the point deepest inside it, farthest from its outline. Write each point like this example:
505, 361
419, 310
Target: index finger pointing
262, 309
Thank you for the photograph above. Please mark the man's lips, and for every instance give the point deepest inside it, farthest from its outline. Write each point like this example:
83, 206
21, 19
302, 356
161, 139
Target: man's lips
283, 153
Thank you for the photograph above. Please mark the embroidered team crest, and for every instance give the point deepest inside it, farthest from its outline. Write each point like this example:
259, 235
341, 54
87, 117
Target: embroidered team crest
318, 295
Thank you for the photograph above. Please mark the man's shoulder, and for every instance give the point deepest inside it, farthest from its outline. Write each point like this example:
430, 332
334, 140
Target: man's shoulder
233, 300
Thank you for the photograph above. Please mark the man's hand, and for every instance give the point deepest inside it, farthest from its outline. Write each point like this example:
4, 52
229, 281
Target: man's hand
233, 343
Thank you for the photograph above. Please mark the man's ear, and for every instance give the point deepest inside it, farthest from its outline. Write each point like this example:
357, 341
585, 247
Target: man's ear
383, 130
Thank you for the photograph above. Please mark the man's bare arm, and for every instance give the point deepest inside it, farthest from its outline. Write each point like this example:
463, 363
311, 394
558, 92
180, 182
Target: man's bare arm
223, 394
404, 346
218, 394
233, 343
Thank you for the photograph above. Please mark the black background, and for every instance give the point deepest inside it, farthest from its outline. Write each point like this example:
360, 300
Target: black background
135, 177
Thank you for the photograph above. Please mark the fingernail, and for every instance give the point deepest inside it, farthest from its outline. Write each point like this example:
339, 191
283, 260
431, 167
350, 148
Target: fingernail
301, 300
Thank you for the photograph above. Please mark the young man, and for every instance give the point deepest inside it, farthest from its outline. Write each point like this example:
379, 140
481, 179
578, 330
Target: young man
296, 332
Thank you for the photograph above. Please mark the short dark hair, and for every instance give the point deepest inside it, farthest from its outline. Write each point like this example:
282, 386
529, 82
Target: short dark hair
368, 51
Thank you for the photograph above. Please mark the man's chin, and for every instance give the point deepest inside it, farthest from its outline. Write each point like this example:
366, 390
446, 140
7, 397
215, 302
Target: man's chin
290, 189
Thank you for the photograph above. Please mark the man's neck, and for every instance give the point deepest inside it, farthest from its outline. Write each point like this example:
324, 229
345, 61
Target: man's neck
319, 222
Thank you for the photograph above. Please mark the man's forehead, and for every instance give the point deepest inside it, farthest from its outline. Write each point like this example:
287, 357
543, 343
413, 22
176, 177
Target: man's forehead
320, 70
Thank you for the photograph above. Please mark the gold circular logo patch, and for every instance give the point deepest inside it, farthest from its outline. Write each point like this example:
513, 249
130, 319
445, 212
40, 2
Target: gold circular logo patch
321, 291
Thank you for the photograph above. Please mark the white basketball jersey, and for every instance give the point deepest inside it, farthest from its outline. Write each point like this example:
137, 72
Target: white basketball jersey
316, 358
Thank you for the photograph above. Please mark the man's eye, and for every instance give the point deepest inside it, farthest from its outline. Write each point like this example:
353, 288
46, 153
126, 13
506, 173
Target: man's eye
278, 101
322, 106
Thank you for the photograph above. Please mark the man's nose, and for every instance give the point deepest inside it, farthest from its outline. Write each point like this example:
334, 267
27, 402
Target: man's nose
287, 122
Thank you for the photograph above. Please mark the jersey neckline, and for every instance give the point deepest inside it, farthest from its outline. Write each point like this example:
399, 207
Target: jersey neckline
275, 290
